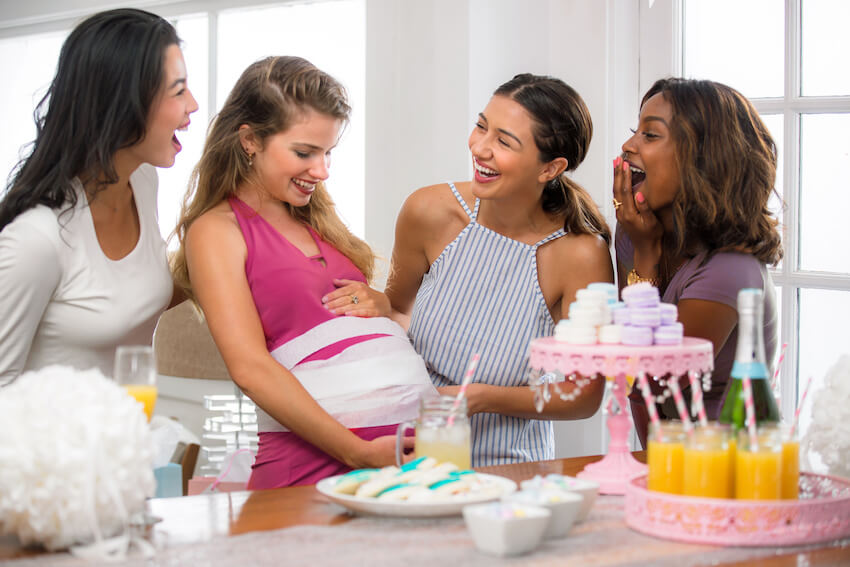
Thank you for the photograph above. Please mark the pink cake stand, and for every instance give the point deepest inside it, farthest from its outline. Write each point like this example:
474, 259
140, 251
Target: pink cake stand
616, 362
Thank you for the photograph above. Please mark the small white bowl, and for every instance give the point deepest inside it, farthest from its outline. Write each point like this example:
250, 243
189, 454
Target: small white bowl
563, 505
588, 489
505, 528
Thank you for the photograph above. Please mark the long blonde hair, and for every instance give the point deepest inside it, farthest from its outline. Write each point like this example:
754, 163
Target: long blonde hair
268, 97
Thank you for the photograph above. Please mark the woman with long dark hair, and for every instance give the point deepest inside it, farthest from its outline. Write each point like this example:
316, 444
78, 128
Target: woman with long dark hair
691, 195
83, 267
487, 265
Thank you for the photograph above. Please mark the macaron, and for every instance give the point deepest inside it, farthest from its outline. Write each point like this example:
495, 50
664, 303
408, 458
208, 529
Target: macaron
636, 336
641, 294
669, 334
645, 317
669, 313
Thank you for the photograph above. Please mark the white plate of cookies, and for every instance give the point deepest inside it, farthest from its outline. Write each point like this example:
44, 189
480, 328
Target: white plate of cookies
421, 488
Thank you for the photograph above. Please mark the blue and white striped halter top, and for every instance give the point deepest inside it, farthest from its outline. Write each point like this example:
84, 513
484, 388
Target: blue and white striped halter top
482, 295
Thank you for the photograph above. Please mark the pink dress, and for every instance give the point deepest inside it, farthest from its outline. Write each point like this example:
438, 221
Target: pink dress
287, 287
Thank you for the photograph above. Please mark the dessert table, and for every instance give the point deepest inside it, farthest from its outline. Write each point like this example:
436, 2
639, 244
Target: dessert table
298, 524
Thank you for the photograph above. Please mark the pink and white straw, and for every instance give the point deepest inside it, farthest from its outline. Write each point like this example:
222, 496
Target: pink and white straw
751, 413
696, 399
778, 367
650, 404
467, 378
680, 403
800, 407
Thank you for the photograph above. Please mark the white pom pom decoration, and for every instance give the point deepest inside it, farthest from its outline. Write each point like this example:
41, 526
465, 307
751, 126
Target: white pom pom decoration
76, 458
828, 436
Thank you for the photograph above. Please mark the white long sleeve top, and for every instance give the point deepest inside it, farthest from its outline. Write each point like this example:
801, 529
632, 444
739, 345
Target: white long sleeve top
62, 301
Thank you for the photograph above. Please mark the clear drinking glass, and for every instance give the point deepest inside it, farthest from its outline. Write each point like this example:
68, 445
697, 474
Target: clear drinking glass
666, 456
442, 432
135, 369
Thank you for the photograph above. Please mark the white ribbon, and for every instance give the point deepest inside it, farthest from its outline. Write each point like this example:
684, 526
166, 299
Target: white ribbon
376, 382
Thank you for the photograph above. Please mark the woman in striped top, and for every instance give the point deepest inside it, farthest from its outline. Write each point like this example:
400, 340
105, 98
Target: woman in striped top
487, 265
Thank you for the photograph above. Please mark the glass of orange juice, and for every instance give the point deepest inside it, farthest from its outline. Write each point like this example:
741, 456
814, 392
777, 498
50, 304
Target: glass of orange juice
758, 468
707, 462
790, 464
135, 369
665, 457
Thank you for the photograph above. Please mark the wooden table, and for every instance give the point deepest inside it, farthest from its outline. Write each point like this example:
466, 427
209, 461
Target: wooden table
198, 519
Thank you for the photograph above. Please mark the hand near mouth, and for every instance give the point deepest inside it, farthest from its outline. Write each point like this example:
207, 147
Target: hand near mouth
638, 220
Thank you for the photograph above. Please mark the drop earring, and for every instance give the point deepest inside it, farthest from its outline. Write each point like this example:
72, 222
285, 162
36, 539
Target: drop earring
250, 160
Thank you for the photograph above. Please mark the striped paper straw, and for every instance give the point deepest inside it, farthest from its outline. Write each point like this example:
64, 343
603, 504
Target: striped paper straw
650, 403
467, 378
800, 407
696, 399
751, 413
680, 403
778, 367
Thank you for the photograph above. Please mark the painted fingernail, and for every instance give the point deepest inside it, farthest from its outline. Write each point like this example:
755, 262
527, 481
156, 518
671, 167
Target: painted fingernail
625, 166
639, 197
615, 162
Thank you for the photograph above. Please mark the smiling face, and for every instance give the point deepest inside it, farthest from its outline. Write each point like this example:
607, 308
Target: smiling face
505, 158
289, 164
169, 112
651, 153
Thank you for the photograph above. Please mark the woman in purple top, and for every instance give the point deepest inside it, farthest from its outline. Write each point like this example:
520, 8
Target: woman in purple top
283, 283
691, 197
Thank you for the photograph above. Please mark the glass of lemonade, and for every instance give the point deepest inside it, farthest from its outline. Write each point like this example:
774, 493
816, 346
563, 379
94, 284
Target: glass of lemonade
442, 432
135, 369
665, 456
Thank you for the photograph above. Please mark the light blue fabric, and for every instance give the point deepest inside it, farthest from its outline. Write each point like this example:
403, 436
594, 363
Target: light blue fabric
482, 295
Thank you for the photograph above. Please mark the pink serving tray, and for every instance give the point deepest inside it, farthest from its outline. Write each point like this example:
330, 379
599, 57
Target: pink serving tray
821, 514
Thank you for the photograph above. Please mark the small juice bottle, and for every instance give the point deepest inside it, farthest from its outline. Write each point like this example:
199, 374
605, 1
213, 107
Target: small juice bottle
707, 462
790, 465
665, 457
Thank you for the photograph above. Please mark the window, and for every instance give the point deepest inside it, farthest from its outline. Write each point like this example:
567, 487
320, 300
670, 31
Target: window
331, 34
788, 58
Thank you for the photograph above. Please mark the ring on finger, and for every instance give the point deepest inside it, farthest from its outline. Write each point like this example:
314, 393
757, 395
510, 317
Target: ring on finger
617, 204
354, 300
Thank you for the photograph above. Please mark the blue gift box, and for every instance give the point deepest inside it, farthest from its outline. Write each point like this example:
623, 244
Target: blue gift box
169, 480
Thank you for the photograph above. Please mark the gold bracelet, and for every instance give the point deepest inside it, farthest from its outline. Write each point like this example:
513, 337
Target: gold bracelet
635, 277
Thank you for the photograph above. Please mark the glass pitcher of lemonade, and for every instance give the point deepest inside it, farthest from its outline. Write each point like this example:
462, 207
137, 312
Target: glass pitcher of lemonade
442, 432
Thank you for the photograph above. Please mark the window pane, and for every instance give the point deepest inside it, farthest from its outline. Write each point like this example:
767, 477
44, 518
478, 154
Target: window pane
776, 125
824, 198
332, 36
22, 90
820, 345
173, 181
741, 44
825, 44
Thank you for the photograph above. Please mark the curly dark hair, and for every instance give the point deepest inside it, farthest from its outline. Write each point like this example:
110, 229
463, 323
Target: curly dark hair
727, 164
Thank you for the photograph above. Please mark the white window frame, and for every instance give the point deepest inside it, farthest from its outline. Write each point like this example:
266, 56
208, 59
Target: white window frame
662, 54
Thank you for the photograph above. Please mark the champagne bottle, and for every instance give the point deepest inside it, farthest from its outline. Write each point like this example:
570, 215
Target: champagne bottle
749, 361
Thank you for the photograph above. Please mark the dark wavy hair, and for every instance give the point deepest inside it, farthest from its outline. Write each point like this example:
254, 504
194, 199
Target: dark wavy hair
727, 165
562, 128
109, 72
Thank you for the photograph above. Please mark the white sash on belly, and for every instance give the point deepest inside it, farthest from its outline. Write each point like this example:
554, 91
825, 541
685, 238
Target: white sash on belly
377, 382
